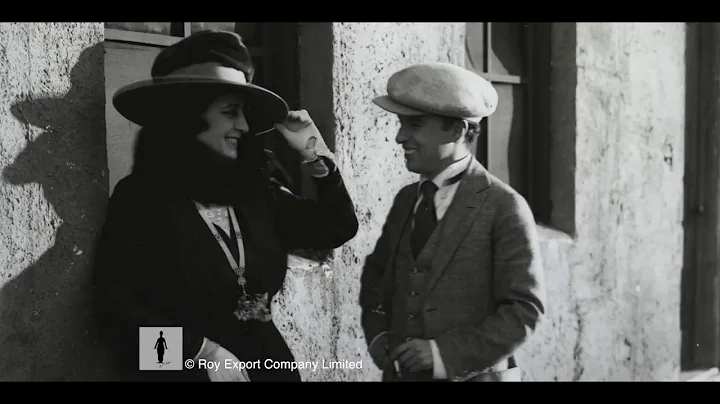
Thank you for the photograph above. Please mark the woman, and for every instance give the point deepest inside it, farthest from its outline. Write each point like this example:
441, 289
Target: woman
197, 235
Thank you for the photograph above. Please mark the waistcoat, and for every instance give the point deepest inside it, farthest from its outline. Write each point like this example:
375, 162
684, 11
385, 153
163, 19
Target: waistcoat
411, 276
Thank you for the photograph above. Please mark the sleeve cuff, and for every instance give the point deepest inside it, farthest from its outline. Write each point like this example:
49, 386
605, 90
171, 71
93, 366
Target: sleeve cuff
200, 351
328, 168
208, 349
438, 365
317, 168
375, 339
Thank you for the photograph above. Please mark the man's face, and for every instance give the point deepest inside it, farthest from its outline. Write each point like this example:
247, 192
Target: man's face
428, 141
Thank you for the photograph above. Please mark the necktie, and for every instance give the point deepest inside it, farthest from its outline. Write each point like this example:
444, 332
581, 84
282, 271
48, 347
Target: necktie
425, 218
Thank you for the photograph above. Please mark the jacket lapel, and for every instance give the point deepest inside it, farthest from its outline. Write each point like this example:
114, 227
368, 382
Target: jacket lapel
265, 259
406, 202
200, 250
469, 197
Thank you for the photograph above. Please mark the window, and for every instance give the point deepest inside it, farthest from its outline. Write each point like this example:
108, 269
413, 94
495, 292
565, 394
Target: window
514, 146
131, 48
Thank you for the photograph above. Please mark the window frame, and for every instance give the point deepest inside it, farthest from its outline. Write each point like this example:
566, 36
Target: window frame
536, 83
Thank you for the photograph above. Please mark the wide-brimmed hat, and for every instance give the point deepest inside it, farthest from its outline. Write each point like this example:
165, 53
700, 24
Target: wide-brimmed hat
438, 88
212, 60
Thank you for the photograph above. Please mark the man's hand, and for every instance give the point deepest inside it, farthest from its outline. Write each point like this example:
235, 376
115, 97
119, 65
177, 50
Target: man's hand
414, 355
302, 135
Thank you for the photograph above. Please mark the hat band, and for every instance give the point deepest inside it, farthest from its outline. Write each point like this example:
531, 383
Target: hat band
207, 71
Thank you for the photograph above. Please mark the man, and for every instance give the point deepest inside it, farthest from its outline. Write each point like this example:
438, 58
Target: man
455, 283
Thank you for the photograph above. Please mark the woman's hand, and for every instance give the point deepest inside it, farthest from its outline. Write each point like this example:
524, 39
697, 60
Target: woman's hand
216, 353
302, 135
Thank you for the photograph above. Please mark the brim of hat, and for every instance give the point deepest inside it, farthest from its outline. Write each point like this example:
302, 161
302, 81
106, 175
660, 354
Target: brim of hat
390, 105
140, 102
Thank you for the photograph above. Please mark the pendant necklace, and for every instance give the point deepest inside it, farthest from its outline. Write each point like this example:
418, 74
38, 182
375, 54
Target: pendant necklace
250, 306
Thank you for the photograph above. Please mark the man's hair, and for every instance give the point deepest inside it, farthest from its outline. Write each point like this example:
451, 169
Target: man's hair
472, 133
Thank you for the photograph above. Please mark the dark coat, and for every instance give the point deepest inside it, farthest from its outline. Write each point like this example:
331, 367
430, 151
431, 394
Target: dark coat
157, 264
485, 291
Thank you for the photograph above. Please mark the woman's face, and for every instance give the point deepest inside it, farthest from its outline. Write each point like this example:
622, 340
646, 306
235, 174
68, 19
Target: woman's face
226, 125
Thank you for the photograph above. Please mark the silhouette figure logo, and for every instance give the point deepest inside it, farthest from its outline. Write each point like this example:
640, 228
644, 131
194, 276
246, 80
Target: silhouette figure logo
161, 348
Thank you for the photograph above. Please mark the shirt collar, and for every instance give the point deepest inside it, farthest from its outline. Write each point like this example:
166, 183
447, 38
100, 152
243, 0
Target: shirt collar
450, 172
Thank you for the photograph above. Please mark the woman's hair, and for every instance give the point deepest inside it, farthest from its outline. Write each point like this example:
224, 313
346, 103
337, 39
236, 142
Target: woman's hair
168, 144
172, 132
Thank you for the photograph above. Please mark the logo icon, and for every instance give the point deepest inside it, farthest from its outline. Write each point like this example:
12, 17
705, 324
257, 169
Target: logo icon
161, 348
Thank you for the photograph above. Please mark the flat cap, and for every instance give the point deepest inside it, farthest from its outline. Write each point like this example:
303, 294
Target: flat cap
439, 88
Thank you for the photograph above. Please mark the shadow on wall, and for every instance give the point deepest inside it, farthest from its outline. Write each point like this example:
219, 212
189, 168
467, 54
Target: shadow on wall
46, 320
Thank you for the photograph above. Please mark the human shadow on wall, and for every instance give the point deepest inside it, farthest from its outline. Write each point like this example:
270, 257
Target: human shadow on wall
47, 330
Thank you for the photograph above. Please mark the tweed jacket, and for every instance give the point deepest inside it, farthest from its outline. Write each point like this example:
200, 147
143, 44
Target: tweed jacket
485, 293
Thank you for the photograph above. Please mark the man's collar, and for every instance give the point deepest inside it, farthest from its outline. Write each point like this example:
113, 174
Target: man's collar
450, 174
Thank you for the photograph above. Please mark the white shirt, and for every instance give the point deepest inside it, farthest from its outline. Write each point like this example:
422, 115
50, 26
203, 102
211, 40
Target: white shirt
443, 199
446, 188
